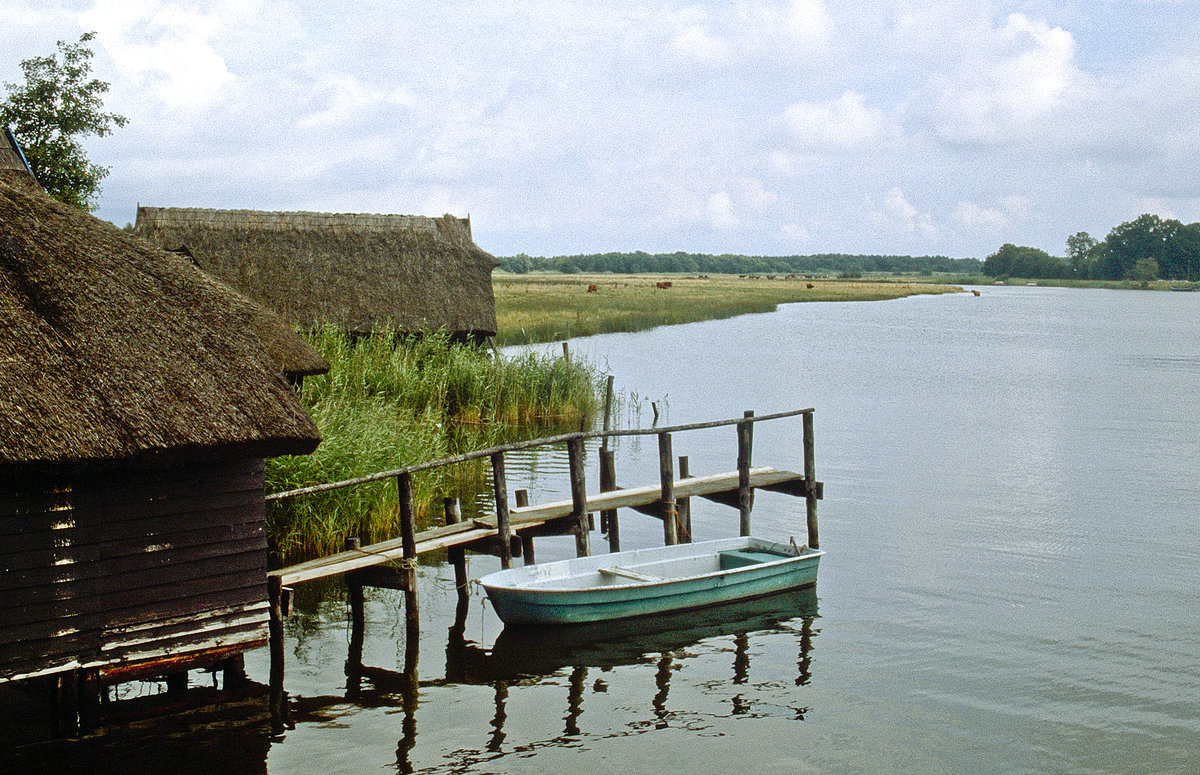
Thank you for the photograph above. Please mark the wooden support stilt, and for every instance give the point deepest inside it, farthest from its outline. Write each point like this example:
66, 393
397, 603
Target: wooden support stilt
88, 682
408, 538
745, 436
503, 530
456, 555
233, 672
666, 472
358, 619
527, 558
177, 683
683, 506
275, 634
579, 497
608, 483
810, 480
608, 399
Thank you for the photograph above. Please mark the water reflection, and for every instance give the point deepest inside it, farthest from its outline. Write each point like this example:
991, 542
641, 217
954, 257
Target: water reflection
532, 659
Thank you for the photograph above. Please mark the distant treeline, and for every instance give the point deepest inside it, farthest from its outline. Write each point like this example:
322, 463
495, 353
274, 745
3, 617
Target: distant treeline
700, 263
1147, 248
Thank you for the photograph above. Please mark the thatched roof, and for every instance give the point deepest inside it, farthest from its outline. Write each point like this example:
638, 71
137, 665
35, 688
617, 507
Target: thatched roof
14, 169
114, 350
361, 273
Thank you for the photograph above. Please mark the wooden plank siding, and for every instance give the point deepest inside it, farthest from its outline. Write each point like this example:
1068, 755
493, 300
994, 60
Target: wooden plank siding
109, 569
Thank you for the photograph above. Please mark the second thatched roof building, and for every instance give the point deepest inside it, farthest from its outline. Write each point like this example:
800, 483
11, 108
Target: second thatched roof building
361, 273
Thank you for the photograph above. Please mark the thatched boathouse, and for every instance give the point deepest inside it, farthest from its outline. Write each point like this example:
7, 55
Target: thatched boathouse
360, 273
137, 407
14, 168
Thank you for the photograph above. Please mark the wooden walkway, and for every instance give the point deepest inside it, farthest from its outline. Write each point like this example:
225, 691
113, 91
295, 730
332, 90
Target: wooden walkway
511, 530
722, 488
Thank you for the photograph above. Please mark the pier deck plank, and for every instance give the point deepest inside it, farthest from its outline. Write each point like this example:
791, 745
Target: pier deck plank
529, 517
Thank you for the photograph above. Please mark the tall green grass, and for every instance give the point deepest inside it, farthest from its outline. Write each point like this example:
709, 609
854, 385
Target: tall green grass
387, 403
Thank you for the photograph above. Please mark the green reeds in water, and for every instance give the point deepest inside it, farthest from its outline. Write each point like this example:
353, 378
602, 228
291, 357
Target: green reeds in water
387, 403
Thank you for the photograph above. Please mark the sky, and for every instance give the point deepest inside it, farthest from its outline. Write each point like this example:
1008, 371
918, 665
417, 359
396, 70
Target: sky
761, 127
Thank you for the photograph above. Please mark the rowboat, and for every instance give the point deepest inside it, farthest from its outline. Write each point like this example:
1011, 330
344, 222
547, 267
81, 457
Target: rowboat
642, 582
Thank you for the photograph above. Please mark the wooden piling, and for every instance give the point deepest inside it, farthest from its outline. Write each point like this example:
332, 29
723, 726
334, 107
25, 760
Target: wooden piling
456, 555
666, 476
527, 558
566, 351
683, 506
408, 539
579, 497
745, 436
358, 617
810, 480
608, 482
503, 528
275, 637
608, 399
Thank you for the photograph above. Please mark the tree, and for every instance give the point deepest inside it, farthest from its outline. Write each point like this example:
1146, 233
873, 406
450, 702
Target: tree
57, 106
1018, 261
1145, 270
1082, 250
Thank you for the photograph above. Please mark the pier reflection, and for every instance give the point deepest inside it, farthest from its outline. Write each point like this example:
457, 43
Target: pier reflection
525, 657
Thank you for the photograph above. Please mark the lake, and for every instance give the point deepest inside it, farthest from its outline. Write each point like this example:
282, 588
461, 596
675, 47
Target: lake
1011, 584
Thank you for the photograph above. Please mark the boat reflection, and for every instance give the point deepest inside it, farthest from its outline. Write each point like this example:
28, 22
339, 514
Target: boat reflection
530, 652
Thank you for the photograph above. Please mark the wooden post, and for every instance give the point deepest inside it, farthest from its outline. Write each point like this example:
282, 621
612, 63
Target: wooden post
608, 483
88, 681
408, 543
503, 530
358, 619
579, 497
745, 432
810, 480
683, 506
666, 476
522, 497
608, 397
456, 555
275, 635
566, 351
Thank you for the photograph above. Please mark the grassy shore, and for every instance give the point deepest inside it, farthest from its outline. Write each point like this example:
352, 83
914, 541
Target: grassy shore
548, 307
386, 404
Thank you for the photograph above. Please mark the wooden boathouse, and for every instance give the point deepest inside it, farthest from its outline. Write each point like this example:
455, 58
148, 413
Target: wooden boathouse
139, 398
358, 272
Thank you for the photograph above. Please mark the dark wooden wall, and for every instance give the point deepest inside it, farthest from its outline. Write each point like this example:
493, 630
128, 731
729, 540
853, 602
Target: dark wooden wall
120, 568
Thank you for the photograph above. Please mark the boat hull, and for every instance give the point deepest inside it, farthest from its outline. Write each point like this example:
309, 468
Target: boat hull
625, 585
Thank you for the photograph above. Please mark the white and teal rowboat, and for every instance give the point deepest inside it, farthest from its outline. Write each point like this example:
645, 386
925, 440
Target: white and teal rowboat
649, 581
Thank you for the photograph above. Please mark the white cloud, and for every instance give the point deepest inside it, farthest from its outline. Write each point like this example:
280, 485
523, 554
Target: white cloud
897, 214
1008, 84
695, 42
719, 211
165, 47
844, 123
808, 20
986, 220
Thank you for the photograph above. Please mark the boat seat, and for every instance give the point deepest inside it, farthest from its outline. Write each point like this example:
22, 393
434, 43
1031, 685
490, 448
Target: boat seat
629, 574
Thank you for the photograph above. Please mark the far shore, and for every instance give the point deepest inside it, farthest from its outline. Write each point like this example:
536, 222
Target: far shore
543, 307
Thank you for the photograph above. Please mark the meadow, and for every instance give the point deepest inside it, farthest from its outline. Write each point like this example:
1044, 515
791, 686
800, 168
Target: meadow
537, 307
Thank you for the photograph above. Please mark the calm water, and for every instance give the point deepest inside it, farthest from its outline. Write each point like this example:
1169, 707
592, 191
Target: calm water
1012, 581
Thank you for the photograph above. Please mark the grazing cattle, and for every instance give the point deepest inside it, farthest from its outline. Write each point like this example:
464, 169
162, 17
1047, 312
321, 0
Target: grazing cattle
809, 286
975, 292
663, 284
593, 288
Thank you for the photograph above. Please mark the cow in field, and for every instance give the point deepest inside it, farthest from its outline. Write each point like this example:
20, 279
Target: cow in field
593, 288
663, 284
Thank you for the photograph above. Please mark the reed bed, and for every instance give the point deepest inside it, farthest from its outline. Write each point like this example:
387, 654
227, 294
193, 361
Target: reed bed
547, 307
388, 403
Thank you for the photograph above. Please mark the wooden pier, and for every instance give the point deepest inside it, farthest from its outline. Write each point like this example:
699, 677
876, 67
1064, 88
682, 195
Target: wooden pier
510, 531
